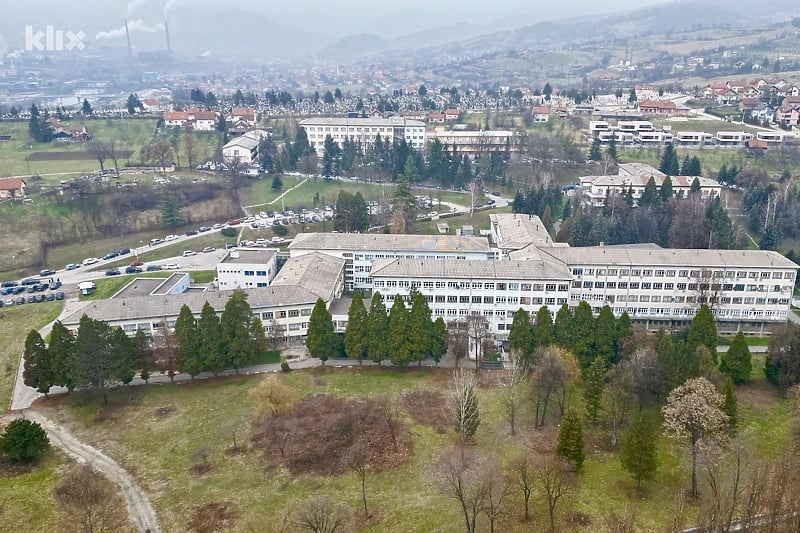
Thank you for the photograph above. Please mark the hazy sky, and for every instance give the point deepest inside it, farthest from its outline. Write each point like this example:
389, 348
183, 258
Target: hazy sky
332, 18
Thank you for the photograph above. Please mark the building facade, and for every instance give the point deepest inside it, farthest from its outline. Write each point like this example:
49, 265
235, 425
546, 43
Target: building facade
247, 268
363, 131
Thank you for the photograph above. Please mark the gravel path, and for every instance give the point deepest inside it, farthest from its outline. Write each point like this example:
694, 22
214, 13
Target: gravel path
140, 510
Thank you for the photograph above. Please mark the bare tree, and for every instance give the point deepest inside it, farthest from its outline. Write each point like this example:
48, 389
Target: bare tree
90, 502
478, 331
190, 149
276, 335
521, 472
461, 478
390, 409
321, 514
553, 479
160, 153
512, 390
164, 348
474, 189
464, 405
497, 488
99, 150
358, 461
114, 150
458, 335
274, 397
618, 399
557, 369
309, 164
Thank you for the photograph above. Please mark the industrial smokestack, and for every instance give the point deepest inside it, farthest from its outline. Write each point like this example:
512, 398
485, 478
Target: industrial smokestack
166, 32
128, 38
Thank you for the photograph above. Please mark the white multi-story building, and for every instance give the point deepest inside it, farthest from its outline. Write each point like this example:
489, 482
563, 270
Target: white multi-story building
359, 250
474, 143
288, 302
247, 268
244, 150
363, 131
635, 177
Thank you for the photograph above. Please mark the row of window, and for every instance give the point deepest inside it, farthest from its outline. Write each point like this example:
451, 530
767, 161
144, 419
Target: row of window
475, 285
647, 285
699, 274
288, 313
256, 272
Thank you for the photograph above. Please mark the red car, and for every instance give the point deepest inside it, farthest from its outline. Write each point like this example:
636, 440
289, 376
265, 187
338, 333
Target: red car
234, 222
136, 263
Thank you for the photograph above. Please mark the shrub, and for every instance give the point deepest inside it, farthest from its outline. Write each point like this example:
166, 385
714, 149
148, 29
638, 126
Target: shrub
23, 441
228, 232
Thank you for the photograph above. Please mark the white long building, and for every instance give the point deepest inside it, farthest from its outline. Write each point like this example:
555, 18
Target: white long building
363, 131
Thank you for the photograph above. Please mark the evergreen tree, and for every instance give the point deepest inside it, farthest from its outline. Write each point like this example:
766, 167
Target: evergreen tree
639, 451
259, 338
37, 372
86, 108
665, 192
694, 168
237, 330
594, 151
730, 405
562, 329
23, 441
736, 362
624, 330
669, 161
678, 359
542, 328
593, 385
277, 183
703, 331
583, 335
719, 225
420, 328
399, 331
439, 340
321, 339
649, 195
360, 213
378, 329
210, 352
569, 445
171, 216
187, 354
695, 186
520, 337
144, 354
123, 356
61, 352
356, 333
611, 149
605, 336
91, 362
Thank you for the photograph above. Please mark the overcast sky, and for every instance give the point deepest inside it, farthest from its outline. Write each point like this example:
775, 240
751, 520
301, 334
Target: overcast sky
332, 18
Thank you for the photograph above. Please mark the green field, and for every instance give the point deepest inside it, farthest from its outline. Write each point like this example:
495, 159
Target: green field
26, 502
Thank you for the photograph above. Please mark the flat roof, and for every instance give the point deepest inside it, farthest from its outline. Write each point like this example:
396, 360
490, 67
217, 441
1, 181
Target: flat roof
344, 121
316, 272
139, 287
249, 256
542, 269
341, 306
168, 284
655, 257
517, 231
383, 242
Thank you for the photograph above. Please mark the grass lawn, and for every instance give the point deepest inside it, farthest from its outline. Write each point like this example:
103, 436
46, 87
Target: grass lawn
479, 220
25, 496
108, 287
203, 276
154, 431
259, 192
15, 323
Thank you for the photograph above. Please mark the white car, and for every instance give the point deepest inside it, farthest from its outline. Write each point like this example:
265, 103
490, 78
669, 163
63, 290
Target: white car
90, 261
170, 237
171, 266
189, 253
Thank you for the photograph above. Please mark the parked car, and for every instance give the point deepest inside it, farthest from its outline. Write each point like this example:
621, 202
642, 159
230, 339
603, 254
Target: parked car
153, 268
55, 285
42, 287
136, 263
50, 296
124, 251
203, 229
234, 222
19, 290
189, 253
46, 272
133, 270
172, 266
31, 299
9, 302
90, 261
40, 298
5, 291
153, 242
19, 301
72, 266
59, 295
112, 272
208, 249
110, 255
9, 284
191, 232
229, 245
30, 281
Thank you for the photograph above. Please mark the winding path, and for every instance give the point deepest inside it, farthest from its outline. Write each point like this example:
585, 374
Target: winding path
140, 510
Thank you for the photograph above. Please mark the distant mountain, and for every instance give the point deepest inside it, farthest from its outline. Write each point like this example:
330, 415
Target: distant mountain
353, 48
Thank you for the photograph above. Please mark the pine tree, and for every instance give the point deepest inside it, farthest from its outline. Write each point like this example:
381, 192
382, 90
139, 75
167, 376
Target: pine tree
736, 362
520, 337
37, 372
61, 351
356, 333
237, 330
439, 340
569, 445
650, 194
730, 405
593, 385
91, 362
594, 151
562, 329
259, 338
583, 334
210, 352
187, 354
420, 328
123, 356
144, 354
703, 330
669, 161
611, 149
277, 183
665, 192
605, 336
639, 450
398, 338
321, 337
543, 328
377, 330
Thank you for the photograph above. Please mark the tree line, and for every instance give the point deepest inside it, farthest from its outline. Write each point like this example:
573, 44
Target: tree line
403, 335
99, 354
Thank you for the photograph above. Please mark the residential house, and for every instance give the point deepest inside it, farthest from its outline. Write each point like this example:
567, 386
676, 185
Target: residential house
541, 114
657, 107
245, 116
13, 188
451, 114
756, 147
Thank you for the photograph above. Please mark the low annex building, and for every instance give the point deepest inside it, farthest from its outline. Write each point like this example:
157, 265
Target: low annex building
247, 268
